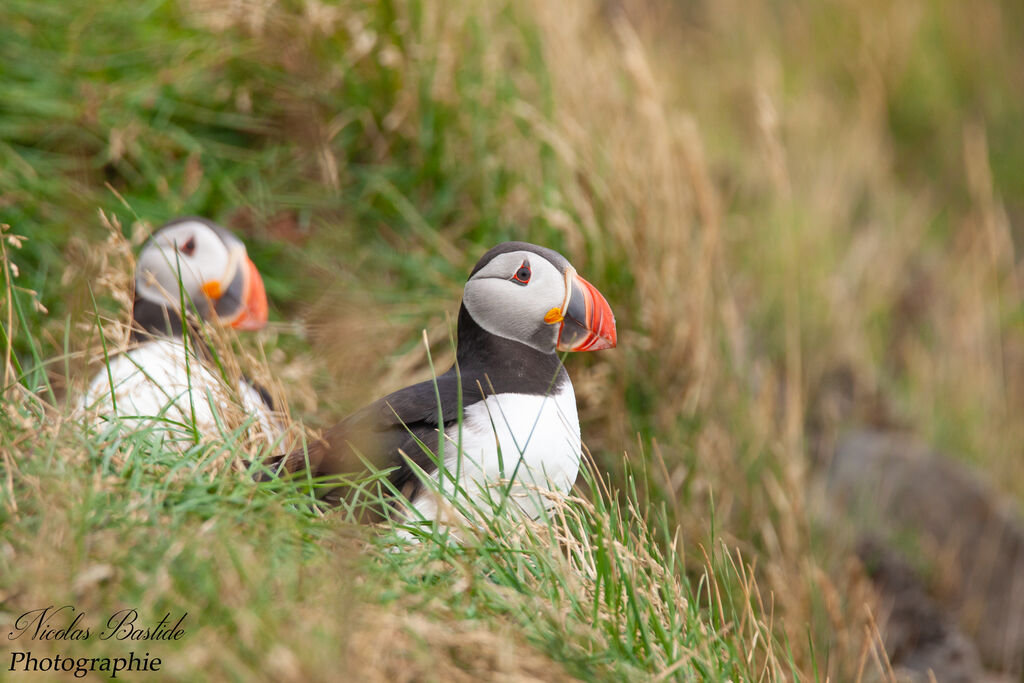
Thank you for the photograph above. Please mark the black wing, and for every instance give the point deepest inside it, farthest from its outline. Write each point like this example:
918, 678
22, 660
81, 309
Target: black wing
387, 433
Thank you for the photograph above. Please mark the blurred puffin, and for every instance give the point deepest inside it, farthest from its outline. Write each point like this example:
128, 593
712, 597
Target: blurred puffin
163, 377
519, 433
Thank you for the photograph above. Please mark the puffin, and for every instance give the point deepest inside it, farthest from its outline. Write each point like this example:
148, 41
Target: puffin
501, 424
168, 376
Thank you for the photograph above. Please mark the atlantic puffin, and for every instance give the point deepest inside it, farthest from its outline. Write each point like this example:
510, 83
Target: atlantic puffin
519, 436
164, 378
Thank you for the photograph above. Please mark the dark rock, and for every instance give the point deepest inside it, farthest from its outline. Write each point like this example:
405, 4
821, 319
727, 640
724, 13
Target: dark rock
919, 637
969, 539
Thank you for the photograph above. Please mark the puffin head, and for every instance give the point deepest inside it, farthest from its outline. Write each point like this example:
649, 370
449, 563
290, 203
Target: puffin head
533, 295
216, 273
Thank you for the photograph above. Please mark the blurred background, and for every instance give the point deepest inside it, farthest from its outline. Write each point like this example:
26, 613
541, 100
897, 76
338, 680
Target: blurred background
805, 215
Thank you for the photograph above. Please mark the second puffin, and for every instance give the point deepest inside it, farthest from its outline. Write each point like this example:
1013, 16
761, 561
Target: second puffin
519, 433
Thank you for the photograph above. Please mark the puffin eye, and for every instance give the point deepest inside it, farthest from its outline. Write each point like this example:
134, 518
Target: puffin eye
189, 247
522, 275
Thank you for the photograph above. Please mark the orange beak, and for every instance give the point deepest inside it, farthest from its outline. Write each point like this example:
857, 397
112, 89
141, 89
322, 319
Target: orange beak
588, 323
243, 302
253, 315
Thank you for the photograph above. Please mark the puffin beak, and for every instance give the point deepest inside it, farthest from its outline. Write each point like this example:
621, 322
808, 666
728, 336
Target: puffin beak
588, 323
243, 304
253, 315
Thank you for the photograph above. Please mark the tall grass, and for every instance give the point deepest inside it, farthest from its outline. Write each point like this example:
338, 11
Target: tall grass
804, 216
274, 590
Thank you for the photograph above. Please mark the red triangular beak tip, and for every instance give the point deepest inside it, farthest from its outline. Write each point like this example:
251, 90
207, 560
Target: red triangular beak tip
603, 327
597, 322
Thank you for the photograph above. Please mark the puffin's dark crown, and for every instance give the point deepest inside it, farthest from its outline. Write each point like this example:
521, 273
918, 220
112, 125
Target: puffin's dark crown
551, 255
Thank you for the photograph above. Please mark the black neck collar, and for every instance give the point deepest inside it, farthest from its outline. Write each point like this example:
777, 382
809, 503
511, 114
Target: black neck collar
151, 321
502, 365
154, 320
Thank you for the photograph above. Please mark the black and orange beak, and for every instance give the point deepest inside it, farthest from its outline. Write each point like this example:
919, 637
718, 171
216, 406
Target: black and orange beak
587, 321
243, 304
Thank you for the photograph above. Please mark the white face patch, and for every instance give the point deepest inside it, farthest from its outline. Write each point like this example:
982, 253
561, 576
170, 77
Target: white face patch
507, 308
196, 250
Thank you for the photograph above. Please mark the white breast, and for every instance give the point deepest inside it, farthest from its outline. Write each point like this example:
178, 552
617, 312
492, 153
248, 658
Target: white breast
531, 441
160, 385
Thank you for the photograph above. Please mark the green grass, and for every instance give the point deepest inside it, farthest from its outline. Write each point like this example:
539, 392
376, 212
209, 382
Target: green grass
805, 217
599, 589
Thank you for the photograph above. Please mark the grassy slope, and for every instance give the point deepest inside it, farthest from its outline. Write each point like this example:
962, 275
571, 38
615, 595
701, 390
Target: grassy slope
792, 210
